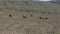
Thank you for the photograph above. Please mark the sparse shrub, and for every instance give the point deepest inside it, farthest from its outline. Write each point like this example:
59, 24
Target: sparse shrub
49, 13
43, 12
36, 11
27, 10
26, 2
4, 3
0, 9
33, 11
10, 8
21, 10
54, 12
7, 8
11, 2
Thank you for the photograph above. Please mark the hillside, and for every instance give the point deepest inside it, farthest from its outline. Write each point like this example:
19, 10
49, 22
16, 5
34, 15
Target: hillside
17, 24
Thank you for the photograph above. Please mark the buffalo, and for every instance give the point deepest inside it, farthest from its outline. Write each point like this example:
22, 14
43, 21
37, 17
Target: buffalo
10, 15
41, 18
46, 18
31, 15
24, 16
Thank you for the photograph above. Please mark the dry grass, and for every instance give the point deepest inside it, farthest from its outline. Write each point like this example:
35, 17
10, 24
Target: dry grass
31, 25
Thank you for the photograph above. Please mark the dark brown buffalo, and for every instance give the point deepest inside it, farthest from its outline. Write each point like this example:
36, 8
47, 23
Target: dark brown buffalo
46, 18
31, 15
10, 15
24, 16
41, 18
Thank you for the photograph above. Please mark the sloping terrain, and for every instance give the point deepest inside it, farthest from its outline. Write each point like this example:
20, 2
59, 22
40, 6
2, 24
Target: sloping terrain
17, 24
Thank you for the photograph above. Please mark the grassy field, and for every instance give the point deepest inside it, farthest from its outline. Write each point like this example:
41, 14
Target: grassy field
30, 25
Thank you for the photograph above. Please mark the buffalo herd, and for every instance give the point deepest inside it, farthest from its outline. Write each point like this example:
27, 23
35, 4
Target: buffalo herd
31, 16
